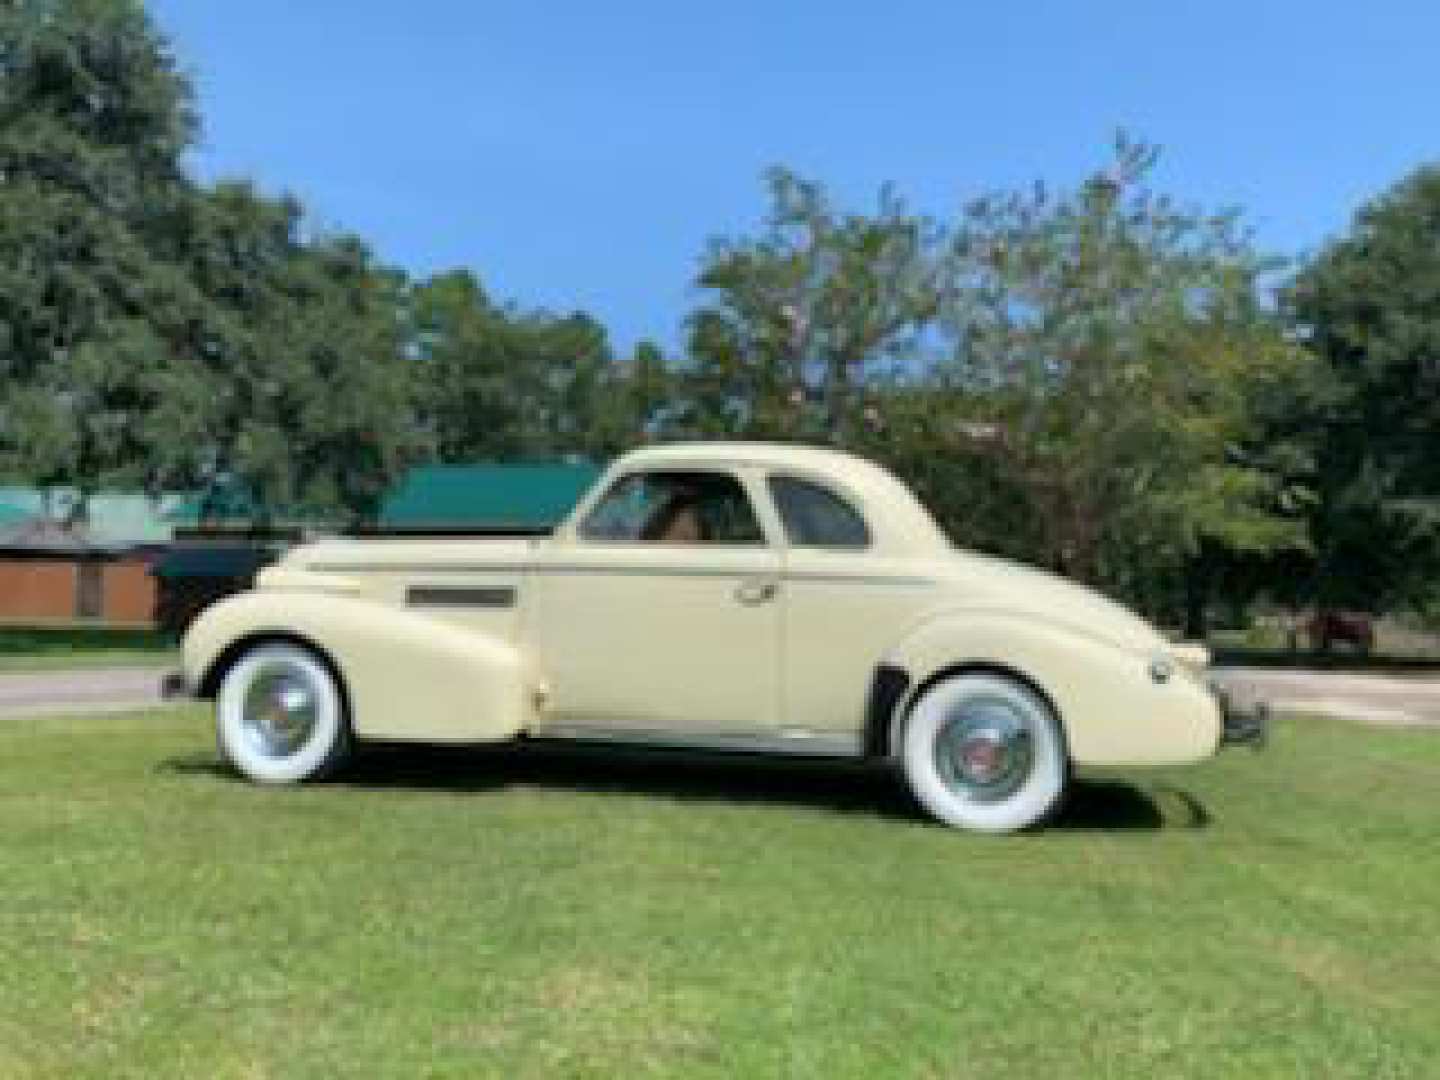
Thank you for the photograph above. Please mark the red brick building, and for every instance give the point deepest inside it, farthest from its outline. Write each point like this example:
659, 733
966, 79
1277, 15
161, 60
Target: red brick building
51, 572
62, 560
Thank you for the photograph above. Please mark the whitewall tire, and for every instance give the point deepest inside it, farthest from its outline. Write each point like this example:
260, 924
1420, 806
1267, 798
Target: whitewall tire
984, 752
280, 716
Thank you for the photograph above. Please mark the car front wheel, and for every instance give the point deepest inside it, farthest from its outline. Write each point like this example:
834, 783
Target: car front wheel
279, 715
984, 752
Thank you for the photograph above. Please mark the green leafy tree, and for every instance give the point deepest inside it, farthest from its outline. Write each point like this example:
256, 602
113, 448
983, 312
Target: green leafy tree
1081, 379
1113, 348
154, 332
93, 120
1369, 307
501, 384
802, 318
290, 384
646, 390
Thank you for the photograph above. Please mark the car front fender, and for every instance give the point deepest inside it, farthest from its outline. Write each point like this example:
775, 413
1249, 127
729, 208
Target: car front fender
1112, 710
406, 676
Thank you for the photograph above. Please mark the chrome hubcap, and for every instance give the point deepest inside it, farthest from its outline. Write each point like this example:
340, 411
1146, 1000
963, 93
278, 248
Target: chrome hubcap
281, 710
984, 749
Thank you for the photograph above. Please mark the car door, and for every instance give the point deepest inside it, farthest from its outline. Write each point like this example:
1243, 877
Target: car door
662, 614
844, 605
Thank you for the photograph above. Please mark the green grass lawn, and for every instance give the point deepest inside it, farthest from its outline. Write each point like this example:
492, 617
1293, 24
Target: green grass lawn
77, 645
562, 913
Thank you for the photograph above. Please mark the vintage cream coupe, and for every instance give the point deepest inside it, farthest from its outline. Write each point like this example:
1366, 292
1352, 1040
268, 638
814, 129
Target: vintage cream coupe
727, 596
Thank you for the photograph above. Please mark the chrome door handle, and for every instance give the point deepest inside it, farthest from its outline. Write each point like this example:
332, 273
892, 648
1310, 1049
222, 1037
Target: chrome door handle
756, 592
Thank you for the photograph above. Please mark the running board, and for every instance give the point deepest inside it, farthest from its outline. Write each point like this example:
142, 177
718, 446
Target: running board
799, 743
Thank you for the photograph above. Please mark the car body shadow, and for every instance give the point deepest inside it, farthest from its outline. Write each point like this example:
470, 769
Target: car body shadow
873, 789
1109, 804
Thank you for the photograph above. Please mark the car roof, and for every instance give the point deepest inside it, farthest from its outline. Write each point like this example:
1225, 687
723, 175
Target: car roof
793, 455
897, 520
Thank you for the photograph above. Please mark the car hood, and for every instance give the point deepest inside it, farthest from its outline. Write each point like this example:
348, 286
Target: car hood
342, 556
987, 581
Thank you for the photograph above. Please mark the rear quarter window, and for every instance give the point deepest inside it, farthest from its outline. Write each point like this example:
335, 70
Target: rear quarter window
815, 516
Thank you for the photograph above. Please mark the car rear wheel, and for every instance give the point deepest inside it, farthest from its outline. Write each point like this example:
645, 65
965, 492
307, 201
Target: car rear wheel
984, 752
279, 715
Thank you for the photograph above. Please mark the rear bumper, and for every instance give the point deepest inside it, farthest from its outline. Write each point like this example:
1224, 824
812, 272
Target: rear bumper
1242, 725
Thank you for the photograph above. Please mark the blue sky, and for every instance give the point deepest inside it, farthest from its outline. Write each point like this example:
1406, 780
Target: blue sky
579, 155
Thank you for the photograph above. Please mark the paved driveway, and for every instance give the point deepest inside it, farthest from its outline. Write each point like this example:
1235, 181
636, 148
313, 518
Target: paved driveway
92, 690
1370, 699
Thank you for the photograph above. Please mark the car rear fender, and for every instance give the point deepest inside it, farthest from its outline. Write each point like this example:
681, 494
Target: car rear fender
407, 676
1110, 709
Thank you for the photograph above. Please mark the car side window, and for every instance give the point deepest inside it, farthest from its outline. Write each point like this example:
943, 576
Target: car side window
674, 508
815, 516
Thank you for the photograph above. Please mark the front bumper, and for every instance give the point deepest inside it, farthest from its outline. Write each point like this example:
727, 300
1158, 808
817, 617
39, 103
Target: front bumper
173, 685
1242, 725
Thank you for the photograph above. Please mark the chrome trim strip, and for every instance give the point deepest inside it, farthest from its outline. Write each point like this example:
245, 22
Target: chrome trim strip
619, 571
661, 571
856, 579
441, 596
803, 744
414, 568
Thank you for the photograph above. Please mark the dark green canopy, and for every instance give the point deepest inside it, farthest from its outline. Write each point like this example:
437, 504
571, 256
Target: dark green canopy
486, 498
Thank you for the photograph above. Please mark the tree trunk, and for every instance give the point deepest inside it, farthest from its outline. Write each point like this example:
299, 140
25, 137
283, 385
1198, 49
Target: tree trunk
1197, 596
